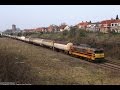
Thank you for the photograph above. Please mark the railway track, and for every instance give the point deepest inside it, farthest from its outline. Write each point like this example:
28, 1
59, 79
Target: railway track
110, 66
113, 62
107, 65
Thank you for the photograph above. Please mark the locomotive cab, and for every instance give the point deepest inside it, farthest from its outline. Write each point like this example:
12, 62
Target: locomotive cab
99, 54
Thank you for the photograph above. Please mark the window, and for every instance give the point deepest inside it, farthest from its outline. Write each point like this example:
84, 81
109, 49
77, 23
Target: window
112, 24
99, 51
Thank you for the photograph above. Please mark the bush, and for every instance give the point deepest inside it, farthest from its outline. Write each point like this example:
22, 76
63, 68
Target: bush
11, 71
65, 32
82, 33
71, 34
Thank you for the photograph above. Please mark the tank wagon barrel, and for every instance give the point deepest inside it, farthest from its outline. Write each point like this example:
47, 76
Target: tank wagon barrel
63, 46
48, 43
35, 40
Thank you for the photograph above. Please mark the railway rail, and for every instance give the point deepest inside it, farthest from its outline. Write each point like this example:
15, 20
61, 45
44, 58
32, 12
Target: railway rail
113, 62
110, 66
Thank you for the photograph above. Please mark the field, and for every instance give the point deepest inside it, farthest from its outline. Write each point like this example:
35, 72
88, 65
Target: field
28, 64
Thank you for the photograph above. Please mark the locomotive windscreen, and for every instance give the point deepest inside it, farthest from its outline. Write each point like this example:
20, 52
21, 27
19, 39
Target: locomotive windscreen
99, 51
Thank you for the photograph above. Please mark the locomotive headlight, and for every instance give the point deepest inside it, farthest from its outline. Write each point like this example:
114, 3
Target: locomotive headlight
99, 55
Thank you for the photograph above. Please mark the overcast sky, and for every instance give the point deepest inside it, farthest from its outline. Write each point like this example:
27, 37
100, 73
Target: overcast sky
33, 16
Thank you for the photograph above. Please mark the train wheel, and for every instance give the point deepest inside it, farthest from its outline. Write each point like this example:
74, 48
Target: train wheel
66, 52
70, 53
88, 59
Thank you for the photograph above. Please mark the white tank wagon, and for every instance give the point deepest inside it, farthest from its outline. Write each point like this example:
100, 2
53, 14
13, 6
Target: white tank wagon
19, 38
6, 35
10, 36
22, 38
36, 41
48, 43
63, 46
14, 37
27, 39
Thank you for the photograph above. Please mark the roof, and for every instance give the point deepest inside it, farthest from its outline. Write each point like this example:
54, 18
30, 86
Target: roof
87, 47
110, 21
94, 23
83, 23
62, 26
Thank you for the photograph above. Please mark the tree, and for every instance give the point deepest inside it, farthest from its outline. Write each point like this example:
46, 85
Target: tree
72, 33
19, 34
65, 32
117, 17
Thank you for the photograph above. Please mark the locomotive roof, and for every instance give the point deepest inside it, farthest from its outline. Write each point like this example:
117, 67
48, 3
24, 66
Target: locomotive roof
86, 47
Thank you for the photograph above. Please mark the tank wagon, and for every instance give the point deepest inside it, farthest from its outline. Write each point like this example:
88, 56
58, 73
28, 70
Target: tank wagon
84, 51
51, 44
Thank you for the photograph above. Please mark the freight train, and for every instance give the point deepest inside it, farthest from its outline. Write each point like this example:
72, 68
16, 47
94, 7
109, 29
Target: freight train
83, 51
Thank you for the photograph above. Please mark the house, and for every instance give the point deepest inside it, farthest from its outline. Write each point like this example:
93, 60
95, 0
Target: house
62, 27
105, 26
50, 28
53, 28
41, 29
115, 26
109, 26
93, 26
67, 28
56, 28
83, 25
38, 29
